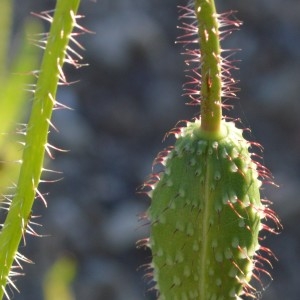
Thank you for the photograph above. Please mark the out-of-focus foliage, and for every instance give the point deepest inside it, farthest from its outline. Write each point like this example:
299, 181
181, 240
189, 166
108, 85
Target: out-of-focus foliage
58, 279
17, 65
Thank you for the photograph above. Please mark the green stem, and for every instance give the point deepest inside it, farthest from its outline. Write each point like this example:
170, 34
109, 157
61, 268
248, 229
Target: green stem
36, 138
211, 85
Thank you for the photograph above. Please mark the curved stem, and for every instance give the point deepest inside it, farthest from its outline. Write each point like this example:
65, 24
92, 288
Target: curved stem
36, 138
211, 85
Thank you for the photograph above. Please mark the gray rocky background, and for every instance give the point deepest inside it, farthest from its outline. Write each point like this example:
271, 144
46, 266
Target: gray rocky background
127, 99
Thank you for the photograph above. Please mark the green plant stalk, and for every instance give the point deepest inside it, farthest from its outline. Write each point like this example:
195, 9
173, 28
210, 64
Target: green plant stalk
211, 85
36, 139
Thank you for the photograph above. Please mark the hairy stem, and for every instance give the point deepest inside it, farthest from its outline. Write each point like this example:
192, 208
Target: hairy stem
36, 138
211, 86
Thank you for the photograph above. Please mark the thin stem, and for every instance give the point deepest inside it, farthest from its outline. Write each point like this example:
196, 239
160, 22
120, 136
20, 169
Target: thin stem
211, 85
36, 139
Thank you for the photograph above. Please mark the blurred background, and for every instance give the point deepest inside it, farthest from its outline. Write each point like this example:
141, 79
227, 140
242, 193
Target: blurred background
125, 101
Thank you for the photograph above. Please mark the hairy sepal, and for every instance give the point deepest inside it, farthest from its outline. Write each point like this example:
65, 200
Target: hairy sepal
206, 216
